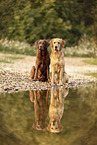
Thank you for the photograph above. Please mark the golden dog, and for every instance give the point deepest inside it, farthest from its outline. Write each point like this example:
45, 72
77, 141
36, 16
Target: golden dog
58, 74
56, 109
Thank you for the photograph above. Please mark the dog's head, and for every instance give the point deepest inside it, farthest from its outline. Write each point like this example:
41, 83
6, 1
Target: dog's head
54, 126
42, 44
57, 44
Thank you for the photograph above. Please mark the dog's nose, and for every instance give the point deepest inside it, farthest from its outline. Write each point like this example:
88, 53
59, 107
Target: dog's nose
40, 45
53, 123
55, 47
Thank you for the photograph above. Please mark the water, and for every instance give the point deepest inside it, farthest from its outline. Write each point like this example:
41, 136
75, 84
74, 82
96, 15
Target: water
66, 116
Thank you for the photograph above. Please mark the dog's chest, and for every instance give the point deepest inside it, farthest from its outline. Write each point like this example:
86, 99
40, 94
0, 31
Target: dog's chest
42, 55
57, 59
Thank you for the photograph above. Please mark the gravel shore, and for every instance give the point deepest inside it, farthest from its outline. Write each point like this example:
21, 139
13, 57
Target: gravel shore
15, 75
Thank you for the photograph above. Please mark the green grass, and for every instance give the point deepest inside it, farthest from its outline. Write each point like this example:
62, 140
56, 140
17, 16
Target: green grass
5, 61
85, 48
16, 47
92, 61
91, 74
13, 57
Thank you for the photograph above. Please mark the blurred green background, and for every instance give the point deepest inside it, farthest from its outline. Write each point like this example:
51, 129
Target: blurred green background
26, 21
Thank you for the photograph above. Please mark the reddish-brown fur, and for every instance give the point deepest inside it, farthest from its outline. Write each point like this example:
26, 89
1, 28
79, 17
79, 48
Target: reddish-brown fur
41, 69
40, 99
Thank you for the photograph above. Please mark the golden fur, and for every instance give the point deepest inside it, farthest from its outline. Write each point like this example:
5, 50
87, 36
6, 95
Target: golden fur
58, 74
56, 109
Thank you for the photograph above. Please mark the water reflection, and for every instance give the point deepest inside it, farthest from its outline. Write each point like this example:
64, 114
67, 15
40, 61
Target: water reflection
56, 109
42, 107
79, 118
41, 104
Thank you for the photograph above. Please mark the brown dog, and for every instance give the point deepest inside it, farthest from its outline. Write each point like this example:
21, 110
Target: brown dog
58, 74
41, 69
41, 104
56, 109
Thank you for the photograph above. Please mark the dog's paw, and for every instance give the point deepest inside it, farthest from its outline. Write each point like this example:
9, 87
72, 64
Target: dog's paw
48, 80
35, 79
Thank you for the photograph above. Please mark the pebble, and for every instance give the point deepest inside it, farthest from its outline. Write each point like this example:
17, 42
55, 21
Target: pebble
14, 81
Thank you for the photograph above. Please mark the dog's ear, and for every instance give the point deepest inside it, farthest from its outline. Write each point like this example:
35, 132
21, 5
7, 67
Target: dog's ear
48, 127
36, 43
51, 42
34, 126
63, 43
60, 128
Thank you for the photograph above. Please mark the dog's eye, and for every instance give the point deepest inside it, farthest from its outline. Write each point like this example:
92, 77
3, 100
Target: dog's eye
54, 42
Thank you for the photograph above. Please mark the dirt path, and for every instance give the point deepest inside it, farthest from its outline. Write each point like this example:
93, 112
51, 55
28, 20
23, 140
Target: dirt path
77, 68
20, 66
73, 66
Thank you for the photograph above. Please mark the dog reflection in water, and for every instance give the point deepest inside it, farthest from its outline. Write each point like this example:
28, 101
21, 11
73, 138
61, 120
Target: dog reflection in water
40, 99
56, 109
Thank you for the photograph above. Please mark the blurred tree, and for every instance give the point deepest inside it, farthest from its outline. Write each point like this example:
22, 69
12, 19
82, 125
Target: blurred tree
92, 27
6, 15
44, 19
35, 22
7, 9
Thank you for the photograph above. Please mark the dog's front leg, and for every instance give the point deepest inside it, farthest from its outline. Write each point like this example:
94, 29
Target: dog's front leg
47, 95
52, 75
48, 73
52, 96
60, 95
60, 79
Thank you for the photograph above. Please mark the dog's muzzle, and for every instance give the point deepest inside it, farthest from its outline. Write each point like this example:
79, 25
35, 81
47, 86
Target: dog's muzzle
57, 48
41, 47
